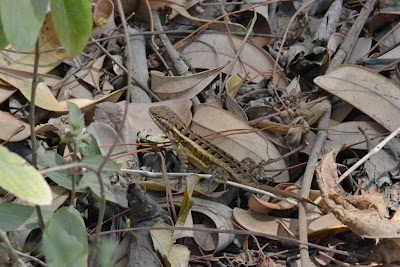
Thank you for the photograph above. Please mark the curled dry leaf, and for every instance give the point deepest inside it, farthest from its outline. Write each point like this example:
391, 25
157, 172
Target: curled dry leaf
103, 16
46, 100
334, 42
212, 50
232, 87
261, 25
210, 119
259, 205
271, 225
383, 18
365, 90
365, 215
167, 87
219, 215
44, 128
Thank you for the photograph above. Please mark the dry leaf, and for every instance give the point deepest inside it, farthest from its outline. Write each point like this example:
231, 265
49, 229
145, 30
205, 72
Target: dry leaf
13, 127
47, 40
11, 76
260, 205
92, 73
270, 225
45, 128
219, 216
138, 114
365, 90
383, 18
6, 92
365, 215
261, 25
216, 25
334, 42
361, 47
215, 49
347, 134
46, 100
176, 87
103, 17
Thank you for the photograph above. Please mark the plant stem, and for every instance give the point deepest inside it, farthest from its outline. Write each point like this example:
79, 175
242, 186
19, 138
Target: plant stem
31, 119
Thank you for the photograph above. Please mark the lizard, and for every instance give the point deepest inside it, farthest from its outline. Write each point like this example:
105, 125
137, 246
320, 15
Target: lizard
206, 156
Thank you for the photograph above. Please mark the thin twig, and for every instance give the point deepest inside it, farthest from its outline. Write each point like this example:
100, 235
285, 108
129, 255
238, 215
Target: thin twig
168, 191
307, 179
274, 75
389, 66
31, 120
370, 154
381, 40
244, 3
119, 131
346, 47
31, 258
77, 165
208, 176
144, 87
9, 247
240, 232
294, 151
244, 42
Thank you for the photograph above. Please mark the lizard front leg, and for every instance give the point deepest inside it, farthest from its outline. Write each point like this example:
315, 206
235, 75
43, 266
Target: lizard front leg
257, 170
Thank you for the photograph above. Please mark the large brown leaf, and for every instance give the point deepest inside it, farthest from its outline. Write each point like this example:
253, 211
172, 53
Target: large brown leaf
373, 94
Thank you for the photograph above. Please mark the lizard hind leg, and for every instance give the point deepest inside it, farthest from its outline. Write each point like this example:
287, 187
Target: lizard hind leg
218, 172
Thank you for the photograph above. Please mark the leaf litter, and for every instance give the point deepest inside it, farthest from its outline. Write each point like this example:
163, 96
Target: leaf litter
258, 90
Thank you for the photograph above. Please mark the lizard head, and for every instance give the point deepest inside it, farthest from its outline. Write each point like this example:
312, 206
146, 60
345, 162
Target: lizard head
165, 119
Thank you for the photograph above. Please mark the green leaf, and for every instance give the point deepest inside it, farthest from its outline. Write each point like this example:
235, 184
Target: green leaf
23, 180
90, 180
93, 149
72, 21
95, 161
52, 159
3, 38
22, 21
20, 217
65, 239
107, 250
75, 119
49, 158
